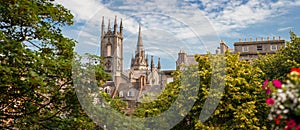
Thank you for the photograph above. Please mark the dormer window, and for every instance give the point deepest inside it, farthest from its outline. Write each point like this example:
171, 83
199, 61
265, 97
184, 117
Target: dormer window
121, 94
130, 94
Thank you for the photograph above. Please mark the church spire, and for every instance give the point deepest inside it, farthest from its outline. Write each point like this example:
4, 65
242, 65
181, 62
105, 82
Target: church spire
147, 64
139, 42
108, 28
121, 28
152, 63
102, 28
158, 64
115, 25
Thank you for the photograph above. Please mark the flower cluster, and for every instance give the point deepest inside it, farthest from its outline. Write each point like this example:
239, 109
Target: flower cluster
284, 101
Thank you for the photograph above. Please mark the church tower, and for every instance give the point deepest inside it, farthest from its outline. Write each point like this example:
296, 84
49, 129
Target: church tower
140, 61
112, 49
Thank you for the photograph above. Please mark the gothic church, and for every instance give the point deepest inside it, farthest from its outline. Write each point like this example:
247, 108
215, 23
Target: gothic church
141, 79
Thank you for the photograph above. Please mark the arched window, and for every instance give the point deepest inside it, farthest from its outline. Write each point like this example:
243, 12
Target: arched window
121, 94
108, 49
107, 90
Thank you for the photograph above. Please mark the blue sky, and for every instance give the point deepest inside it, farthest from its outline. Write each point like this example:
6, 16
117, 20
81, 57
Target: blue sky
192, 25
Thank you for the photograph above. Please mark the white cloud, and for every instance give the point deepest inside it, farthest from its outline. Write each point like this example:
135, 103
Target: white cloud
238, 15
173, 25
284, 29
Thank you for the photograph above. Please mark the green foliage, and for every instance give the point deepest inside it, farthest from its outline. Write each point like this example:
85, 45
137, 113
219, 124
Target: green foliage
241, 106
277, 66
35, 68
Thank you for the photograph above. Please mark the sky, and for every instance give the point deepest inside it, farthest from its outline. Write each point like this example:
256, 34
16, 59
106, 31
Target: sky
168, 26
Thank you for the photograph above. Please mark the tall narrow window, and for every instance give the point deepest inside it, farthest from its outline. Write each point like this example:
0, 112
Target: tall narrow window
108, 47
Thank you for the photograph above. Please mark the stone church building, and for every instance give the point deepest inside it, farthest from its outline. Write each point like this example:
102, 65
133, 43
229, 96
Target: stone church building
142, 79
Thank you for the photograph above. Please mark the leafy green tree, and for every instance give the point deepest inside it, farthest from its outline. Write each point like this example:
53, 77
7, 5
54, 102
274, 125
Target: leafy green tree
277, 66
242, 104
36, 68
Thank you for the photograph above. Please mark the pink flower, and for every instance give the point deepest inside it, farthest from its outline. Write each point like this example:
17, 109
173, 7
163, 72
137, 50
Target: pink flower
297, 127
277, 83
265, 84
268, 91
270, 101
291, 123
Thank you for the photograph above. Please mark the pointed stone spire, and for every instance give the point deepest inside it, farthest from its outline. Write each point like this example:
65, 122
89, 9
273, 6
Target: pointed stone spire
139, 42
132, 61
147, 64
121, 28
108, 28
152, 63
158, 64
115, 25
102, 28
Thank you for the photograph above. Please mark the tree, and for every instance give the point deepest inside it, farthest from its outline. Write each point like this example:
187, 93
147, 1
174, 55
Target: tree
242, 104
277, 66
35, 67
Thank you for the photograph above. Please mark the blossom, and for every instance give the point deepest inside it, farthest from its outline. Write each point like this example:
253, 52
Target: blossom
265, 84
270, 101
277, 120
298, 127
277, 83
268, 91
291, 123
295, 71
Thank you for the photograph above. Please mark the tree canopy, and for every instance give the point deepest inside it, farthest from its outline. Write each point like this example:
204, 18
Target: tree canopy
35, 67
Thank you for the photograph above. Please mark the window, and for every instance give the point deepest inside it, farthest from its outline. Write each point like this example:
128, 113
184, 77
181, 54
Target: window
107, 89
121, 94
259, 48
130, 94
273, 47
245, 49
108, 47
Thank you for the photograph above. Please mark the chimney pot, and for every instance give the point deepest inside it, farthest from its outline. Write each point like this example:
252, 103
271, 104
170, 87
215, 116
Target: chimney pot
273, 38
279, 38
268, 38
262, 39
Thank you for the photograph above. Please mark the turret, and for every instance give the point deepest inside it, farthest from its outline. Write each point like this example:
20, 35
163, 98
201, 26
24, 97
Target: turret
152, 64
139, 42
158, 64
108, 27
147, 64
115, 26
121, 28
102, 28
